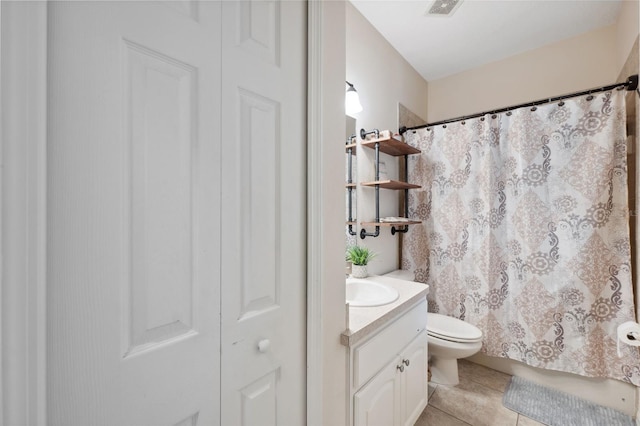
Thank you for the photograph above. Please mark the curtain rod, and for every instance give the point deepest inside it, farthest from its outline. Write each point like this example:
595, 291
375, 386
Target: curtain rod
630, 84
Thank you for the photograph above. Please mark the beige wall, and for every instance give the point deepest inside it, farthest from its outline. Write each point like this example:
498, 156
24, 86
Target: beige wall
627, 28
575, 64
382, 78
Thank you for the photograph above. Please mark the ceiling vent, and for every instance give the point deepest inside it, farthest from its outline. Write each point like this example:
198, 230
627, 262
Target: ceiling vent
443, 8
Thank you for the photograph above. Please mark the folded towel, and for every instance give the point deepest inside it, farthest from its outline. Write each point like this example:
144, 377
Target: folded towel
394, 219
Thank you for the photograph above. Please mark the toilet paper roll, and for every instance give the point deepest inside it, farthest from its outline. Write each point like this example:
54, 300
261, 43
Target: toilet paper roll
628, 334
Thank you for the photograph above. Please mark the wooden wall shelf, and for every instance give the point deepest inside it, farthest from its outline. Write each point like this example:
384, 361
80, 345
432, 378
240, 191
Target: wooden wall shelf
391, 184
352, 146
387, 144
411, 222
391, 146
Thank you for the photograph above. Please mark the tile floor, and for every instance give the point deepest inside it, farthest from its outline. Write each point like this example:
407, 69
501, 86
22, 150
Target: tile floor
476, 401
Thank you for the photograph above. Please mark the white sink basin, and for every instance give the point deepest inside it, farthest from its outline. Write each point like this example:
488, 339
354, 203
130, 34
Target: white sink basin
369, 293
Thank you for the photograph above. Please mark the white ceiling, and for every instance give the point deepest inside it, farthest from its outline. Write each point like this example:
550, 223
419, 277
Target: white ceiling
480, 31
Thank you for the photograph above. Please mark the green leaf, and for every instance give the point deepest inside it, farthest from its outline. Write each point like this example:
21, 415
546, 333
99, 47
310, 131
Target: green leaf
359, 255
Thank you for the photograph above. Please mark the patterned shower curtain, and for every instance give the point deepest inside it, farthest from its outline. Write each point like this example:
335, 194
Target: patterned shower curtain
525, 232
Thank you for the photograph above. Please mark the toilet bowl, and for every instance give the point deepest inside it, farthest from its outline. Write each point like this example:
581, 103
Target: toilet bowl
449, 339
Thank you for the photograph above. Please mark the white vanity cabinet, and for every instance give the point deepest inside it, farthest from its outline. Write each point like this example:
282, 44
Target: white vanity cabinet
388, 372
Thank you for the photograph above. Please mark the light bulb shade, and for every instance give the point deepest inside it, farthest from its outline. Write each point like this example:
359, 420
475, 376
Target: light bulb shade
352, 103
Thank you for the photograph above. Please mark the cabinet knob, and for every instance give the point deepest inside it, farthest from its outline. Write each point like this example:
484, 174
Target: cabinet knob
405, 362
263, 345
400, 367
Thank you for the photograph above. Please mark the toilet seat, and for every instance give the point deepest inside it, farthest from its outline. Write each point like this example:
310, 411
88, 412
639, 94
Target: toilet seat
452, 329
454, 339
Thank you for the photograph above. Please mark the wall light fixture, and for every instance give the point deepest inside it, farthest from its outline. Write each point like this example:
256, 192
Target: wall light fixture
352, 103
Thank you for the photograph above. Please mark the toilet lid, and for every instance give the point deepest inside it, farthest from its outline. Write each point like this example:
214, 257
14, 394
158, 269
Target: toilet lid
450, 328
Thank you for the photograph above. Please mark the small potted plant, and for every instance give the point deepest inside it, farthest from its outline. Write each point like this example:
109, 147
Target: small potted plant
359, 257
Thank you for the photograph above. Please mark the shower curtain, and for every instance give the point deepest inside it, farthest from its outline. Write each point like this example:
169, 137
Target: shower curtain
525, 232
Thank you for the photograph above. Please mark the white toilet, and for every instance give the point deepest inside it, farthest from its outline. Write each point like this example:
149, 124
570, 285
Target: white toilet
449, 339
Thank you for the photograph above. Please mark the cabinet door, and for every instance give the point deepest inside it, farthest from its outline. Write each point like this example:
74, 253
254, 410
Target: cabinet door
378, 402
414, 379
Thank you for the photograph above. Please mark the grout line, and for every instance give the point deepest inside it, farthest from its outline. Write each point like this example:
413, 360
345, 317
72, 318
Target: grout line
487, 386
446, 412
430, 394
470, 377
451, 415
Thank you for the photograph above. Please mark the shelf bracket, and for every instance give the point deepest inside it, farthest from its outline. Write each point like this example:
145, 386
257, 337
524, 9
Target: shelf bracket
364, 133
364, 233
402, 230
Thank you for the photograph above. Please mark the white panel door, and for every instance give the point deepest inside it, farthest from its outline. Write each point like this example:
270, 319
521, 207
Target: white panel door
134, 213
263, 233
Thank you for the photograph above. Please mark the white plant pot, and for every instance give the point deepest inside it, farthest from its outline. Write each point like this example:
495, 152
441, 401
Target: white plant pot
359, 271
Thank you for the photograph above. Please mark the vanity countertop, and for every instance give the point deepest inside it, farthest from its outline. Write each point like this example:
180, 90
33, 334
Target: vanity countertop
364, 321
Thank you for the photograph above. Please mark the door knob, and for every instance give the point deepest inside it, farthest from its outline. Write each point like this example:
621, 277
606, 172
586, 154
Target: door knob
405, 362
400, 367
263, 345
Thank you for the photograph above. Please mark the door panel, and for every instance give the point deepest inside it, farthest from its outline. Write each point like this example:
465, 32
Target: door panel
378, 402
134, 213
257, 175
259, 401
414, 380
159, 123
263, 233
